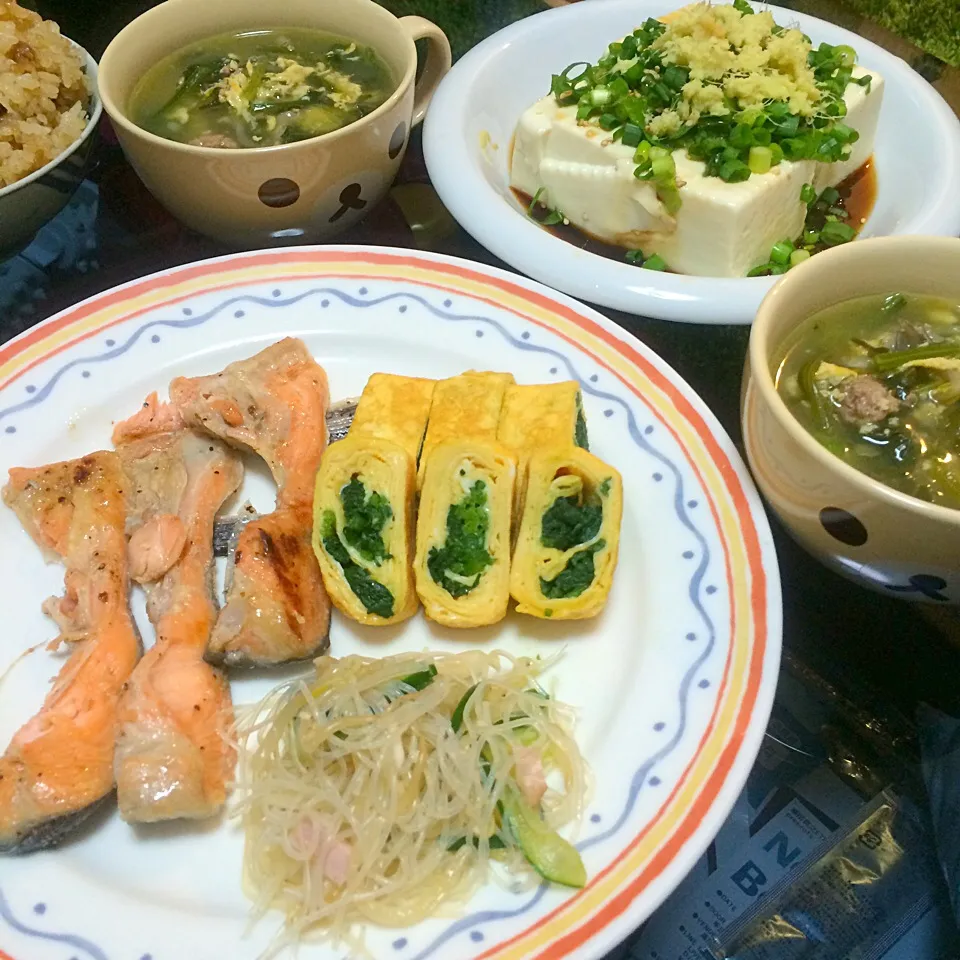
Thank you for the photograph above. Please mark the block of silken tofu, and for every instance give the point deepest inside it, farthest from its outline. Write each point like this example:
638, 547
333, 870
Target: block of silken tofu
721, 230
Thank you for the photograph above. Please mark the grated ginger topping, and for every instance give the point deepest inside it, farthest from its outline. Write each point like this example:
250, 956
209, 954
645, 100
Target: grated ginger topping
735, 56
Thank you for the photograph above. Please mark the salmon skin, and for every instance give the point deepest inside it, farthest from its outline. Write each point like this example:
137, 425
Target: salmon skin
275, 404
59, 765
172, 756
226, 530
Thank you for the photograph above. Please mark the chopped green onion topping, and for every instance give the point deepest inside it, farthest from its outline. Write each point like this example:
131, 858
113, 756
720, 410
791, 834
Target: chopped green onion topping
781, 252
834, 232
633, 84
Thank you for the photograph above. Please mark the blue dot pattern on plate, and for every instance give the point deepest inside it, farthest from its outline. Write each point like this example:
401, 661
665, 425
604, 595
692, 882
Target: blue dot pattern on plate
642, 776
89, 949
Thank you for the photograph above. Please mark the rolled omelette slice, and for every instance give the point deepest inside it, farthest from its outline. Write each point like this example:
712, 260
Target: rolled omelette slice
534, 417
542, 416
466, 407
462, 564
569, 537
394, 408
363, 528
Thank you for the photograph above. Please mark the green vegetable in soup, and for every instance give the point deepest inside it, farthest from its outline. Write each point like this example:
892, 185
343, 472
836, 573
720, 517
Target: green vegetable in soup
876, 380
374, 596
575, 577
260, 89
459, 564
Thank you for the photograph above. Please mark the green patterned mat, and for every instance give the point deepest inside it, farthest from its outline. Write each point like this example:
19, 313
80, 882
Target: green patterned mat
933, 25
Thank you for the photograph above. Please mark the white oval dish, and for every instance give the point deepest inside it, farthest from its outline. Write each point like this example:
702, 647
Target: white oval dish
673, 683
469, 131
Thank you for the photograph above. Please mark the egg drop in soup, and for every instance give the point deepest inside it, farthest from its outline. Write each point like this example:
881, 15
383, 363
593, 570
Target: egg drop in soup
260, 89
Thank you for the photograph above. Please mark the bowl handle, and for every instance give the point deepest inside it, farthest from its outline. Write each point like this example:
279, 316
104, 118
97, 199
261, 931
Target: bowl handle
438, 61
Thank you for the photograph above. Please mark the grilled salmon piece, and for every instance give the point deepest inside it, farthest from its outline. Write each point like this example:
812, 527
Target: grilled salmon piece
274, 404
172, 759
59, 765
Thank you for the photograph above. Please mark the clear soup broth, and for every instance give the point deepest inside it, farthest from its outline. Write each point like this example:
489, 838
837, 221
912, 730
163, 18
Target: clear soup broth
877, 381
260, 89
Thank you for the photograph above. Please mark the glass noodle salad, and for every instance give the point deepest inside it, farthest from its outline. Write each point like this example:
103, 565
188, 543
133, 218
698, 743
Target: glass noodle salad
386, 788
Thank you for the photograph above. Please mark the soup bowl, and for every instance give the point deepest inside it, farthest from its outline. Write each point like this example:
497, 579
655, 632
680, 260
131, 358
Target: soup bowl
307, 190
857, 526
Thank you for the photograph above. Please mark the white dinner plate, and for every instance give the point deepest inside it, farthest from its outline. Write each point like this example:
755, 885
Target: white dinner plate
673, 683
468, 138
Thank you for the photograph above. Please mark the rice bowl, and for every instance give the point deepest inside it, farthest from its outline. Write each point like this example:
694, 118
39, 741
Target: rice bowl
49, 110
44, 92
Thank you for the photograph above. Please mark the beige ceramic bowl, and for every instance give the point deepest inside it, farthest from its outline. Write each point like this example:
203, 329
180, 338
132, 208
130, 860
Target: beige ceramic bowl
299, 191
869, 532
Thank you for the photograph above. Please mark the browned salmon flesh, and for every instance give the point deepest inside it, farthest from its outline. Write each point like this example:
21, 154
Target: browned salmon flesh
274, 404
59, 765
172, 758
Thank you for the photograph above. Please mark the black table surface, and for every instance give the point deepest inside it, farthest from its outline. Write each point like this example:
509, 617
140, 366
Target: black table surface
854, 638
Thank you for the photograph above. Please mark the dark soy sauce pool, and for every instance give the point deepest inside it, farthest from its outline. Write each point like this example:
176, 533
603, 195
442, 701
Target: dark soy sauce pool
858, 193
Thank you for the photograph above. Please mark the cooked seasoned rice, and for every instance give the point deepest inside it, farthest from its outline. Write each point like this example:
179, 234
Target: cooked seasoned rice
43, 92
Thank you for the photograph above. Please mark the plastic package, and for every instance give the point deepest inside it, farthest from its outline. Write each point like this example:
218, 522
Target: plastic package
940, 747
820, 859
857, 900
